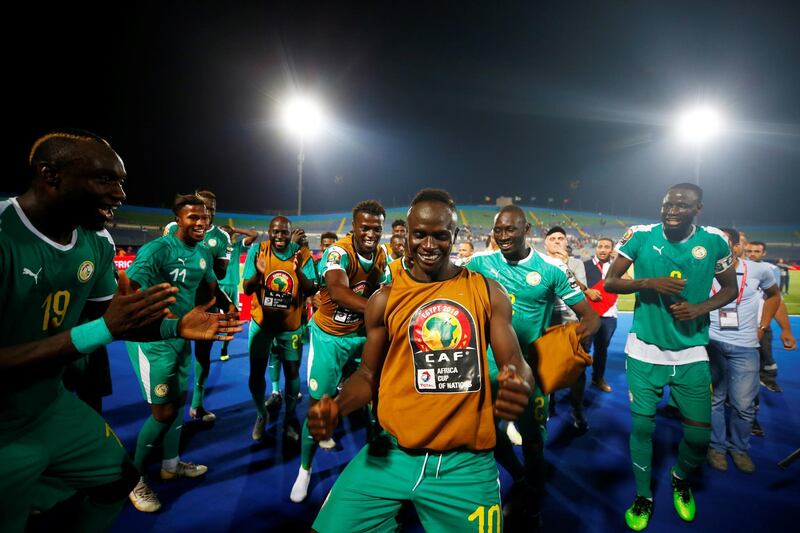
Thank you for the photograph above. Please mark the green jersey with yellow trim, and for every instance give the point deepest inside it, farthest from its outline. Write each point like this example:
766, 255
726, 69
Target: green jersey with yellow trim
44, 287
170, 259
532, 285
697, 259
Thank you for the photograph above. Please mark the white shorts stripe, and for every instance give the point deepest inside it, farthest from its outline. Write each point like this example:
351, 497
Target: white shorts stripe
144, 372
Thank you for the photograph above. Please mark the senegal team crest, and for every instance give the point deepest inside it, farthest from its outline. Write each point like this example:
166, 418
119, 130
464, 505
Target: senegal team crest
280, 281
444, 342
212, 243
85, 271
162, 389
202, 263
698, 252
533, 278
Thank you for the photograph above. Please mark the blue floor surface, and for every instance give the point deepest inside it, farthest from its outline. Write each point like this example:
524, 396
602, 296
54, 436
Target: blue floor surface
590, 482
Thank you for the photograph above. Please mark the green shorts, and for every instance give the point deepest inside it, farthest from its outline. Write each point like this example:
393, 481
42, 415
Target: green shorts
327, 356
71, 447
162, 368
233, 293
532, 423
689, 385
286, 345
453, 491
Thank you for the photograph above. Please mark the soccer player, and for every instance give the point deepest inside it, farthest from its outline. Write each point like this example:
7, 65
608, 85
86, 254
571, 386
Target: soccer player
350, 271
279, 274
397, 248
533, 281
56, 265
427, 333
219, 245
230, 283
675, 264
163, 366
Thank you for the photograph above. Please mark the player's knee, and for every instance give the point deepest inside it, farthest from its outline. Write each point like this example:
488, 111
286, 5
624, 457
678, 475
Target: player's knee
696, 434
642, 426
164, 414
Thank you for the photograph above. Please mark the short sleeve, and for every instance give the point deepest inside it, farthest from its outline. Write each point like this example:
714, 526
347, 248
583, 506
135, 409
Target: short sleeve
145, 268
106, 283
250, 262
630, 243
333, 258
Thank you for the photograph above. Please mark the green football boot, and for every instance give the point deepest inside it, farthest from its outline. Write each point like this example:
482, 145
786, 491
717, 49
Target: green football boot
682, 497
638, 515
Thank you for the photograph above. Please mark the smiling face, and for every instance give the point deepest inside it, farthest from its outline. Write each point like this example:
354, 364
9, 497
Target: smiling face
509, 231
92, 184
367, 230
679, 209
280, 231
192, 222
430, 238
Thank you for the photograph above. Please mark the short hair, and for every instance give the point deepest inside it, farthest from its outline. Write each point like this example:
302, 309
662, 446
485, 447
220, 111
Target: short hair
399, 237
280, 217
733, 234
57, 145
182, 200
609, 239
206, 194
329, 235
690, 187
759, 243
555, 229
468, 243
371, 207
399, 222
436, 195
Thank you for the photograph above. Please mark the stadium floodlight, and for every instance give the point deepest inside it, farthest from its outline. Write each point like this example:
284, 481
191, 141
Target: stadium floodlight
303, 118
697, 126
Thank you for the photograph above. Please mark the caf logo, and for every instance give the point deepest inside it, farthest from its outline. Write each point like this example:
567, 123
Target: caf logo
699, 252
334, 257
533, 278
212, 242
85, 271
162, 389
441, 325
280, 281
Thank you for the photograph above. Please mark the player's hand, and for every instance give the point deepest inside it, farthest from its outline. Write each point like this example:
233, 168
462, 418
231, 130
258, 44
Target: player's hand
593, 294
130, 310
200, 325
299, 236
323, 417
686, 311
666, 285
789, 342
512, 394
261, 265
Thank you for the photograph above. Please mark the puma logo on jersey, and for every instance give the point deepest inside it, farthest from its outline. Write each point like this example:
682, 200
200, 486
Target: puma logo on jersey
657, 249
182, 261
643, 468
28, 272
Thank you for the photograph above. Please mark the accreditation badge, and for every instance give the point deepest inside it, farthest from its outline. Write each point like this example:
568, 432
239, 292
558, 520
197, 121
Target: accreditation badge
729, 319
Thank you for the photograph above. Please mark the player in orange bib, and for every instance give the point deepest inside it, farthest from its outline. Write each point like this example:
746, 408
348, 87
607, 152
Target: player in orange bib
428, 330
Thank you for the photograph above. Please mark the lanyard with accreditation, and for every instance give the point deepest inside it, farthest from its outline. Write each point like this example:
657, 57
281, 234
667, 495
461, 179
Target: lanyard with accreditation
729, 316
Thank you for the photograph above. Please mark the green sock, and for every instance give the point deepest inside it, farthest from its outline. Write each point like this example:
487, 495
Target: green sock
641, 443
151, 435
692, 449
275, 373
292, 388
258, 387
308, 447
172, 439
200, 378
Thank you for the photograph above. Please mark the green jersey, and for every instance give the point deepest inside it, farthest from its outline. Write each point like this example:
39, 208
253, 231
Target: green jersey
233, 273
216, 241
44, 287
697, 259
532, 285
170, 259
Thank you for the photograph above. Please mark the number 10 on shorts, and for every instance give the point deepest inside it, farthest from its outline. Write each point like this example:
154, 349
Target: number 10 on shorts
493, 521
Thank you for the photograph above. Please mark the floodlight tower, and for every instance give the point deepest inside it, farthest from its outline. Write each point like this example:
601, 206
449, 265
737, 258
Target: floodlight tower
697, 127
302, 118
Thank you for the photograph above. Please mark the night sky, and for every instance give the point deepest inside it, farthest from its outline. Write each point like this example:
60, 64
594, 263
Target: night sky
481, 98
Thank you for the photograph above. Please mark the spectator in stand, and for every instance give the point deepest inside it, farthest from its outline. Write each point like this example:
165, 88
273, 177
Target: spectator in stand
605, 304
